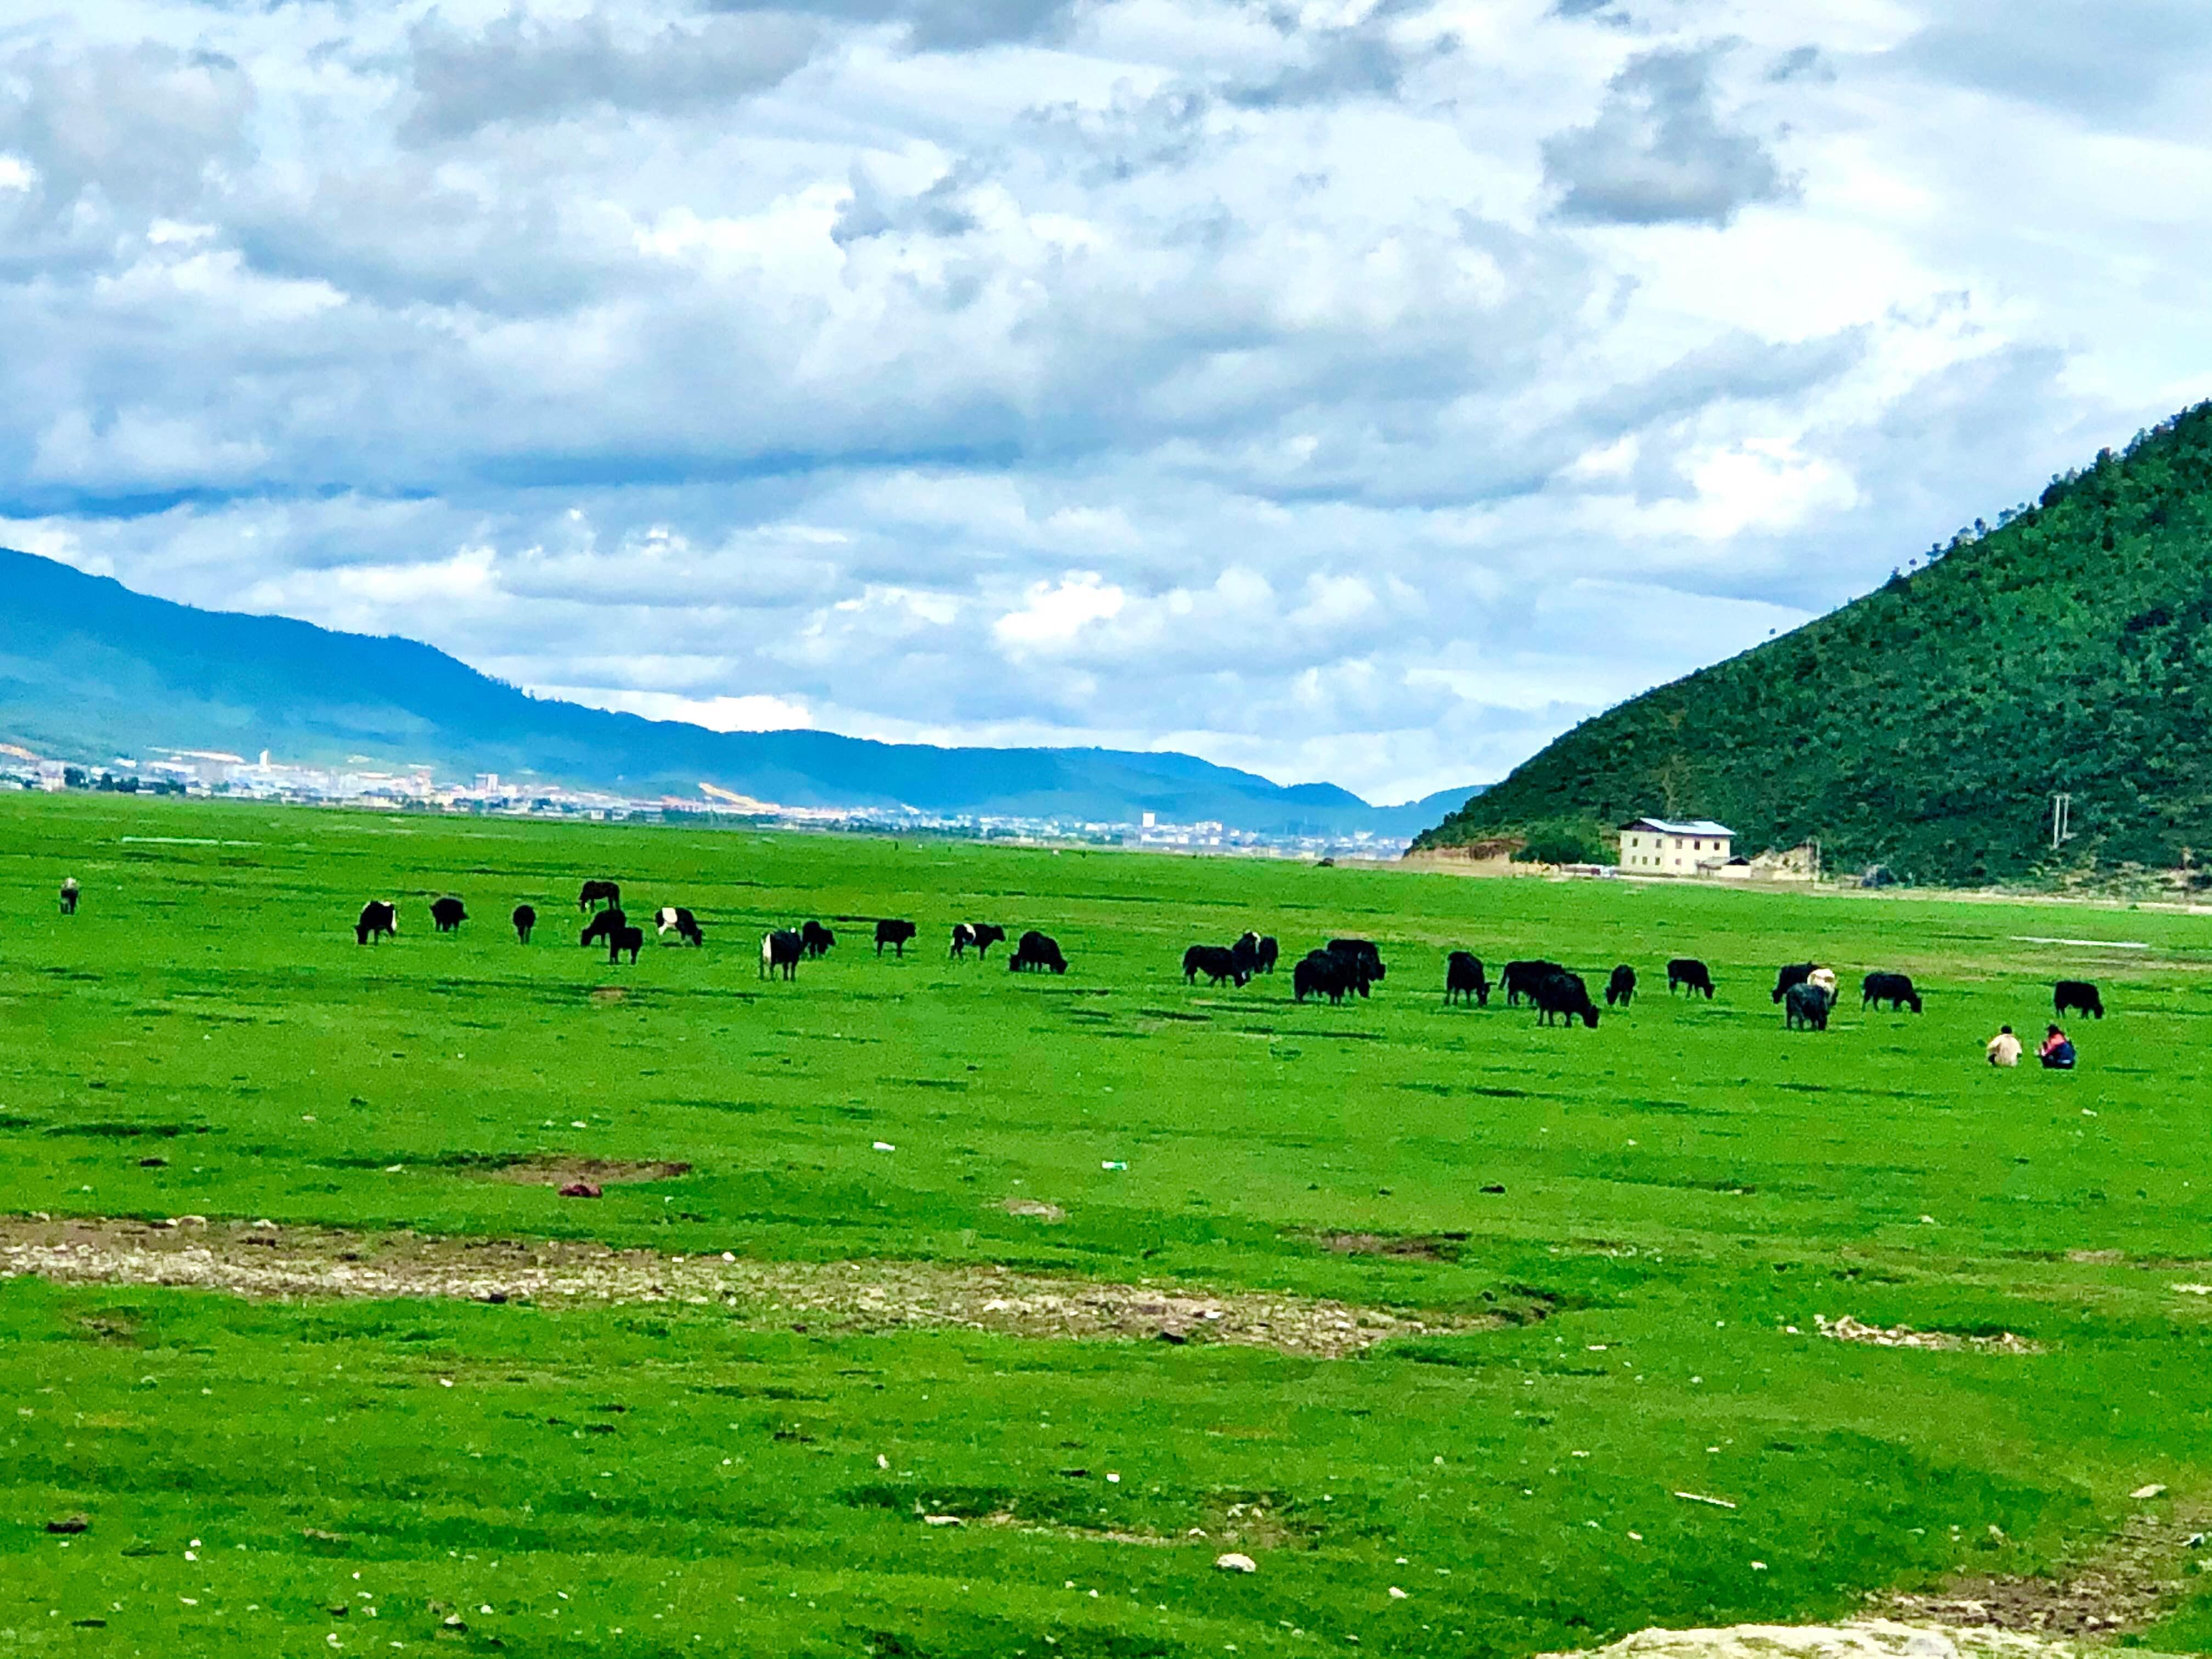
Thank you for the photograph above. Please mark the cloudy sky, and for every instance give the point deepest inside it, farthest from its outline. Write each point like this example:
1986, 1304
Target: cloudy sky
1348, 390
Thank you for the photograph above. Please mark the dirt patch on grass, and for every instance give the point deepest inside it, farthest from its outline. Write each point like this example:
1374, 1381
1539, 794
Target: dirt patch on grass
599, 1171
1432, 1247
1036, 1207
2134, 1578
265, 1261
1848, 1329
1873, 1638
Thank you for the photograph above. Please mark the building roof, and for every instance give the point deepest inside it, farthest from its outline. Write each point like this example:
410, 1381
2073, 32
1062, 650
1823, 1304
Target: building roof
1700, 827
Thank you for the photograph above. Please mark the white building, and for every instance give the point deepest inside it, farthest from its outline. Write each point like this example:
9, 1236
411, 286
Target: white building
1668, 847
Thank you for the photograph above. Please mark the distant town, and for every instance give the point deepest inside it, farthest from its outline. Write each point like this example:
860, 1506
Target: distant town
362, 783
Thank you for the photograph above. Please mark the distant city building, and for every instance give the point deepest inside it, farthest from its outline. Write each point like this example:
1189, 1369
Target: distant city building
1668, 847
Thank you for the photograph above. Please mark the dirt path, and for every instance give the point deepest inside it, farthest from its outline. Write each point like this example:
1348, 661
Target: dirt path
265, 1260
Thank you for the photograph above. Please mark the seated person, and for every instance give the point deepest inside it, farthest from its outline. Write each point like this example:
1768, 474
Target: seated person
2056, 1052
2004, 1048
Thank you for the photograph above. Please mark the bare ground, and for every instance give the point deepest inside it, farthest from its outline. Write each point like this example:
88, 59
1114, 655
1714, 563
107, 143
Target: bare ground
262, 1260
1848, 1329
1877, 1638
2133, 1578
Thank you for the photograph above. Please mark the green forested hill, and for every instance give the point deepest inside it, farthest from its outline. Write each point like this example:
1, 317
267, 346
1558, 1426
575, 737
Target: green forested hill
1927, 725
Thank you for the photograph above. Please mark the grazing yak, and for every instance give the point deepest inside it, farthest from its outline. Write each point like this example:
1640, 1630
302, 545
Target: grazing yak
448, 912
631, 940
1688, 972
1037, 950
524, 918
675, 918
1464, 978
780, 949
1565, 994
1362, 949
2072, 994
1359, 961
1621, 988
1258, 953
69, 896
1895, 989
1796, 974
815, 940
1321, 972
379, 921
1807, 1009
894, 933
603, 925
979, 935
1521, 979
1219, 963
600, 892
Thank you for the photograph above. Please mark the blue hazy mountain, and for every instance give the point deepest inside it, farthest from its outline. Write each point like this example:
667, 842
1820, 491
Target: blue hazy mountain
90, 669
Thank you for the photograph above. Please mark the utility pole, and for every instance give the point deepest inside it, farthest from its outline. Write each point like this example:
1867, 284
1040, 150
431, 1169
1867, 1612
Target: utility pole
2062, 813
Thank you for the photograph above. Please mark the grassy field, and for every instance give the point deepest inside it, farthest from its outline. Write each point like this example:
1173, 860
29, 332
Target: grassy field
1624, 1224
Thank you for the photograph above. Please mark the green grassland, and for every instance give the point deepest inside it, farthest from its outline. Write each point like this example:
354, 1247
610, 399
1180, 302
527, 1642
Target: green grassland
1679, 1186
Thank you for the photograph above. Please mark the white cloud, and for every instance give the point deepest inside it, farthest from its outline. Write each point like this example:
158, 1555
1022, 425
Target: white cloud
1352, 390
1055, 612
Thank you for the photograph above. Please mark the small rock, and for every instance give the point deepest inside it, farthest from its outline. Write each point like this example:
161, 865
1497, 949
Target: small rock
191, 1221
1233, 1562
2151, 1491
454, 1622
70, 1524
1169, 1334
1397, 1595
581, 1189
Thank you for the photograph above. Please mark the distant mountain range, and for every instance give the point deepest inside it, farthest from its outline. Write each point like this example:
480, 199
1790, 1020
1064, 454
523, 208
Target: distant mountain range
90, 669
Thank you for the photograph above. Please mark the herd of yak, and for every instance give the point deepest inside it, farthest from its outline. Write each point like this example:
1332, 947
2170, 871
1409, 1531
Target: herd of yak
781, 949
1342, 968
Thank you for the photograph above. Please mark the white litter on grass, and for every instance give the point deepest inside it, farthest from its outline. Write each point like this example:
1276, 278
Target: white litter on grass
2191, 1290
2096, 943
1397, 1595
2152, 1491
1700, 1498
1233, 1562
942, 1520
885, 1147
1112, 1163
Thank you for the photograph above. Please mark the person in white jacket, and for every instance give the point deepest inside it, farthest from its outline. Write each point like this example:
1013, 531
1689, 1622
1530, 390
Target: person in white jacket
2004, 1048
